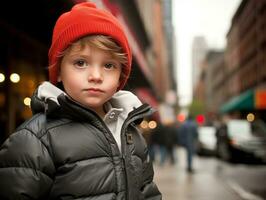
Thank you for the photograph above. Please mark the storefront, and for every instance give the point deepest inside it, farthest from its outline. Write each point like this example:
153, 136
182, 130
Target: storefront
253, 100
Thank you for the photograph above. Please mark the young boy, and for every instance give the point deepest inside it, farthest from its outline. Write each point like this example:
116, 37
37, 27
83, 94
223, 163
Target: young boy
83, 141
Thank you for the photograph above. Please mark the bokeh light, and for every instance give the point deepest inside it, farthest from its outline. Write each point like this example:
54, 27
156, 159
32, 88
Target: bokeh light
15, 78
2, 77
250, 117
27, 101
144, 124
152, 124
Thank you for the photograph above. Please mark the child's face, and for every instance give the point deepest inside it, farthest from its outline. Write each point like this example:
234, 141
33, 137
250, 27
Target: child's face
90, 76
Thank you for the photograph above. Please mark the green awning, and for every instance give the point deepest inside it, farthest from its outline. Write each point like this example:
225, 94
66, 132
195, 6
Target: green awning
244, 101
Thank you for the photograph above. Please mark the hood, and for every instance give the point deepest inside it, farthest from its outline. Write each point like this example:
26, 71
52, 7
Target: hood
45, 98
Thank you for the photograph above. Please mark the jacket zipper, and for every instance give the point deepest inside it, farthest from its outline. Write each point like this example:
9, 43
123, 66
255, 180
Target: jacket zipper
125, 171
123, 144
124, 139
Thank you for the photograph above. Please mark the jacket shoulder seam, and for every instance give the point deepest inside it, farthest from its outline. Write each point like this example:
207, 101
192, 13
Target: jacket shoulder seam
55, 126
23, 126
31, 132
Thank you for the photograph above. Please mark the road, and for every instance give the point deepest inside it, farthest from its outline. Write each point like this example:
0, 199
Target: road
213, 179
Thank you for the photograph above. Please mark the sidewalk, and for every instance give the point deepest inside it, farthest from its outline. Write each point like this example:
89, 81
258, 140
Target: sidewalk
176, 184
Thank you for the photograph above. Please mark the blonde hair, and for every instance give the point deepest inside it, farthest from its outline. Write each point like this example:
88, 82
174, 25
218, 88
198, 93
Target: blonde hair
105, 43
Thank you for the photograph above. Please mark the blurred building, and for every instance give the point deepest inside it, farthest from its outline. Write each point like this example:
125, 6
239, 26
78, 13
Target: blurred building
213, 81
199, 51
234, 82
26, 36
210, 92
217, 79
160, 32
170, 42
245, 59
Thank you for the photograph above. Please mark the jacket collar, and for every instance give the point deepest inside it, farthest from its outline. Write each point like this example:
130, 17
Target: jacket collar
51, 100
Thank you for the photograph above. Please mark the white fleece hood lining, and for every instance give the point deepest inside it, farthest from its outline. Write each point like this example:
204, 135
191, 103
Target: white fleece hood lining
49, 91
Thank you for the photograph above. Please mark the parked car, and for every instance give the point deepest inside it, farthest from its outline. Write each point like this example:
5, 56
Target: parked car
206, 140
240, 140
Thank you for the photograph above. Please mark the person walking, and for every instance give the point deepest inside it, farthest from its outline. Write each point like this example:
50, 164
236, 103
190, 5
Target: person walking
188, 136
82, 141
157, 144
170, 142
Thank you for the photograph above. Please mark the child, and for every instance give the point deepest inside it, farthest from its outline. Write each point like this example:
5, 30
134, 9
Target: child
83, 141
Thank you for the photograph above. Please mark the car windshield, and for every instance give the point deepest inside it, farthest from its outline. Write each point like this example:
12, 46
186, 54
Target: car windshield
244, 129
240, 129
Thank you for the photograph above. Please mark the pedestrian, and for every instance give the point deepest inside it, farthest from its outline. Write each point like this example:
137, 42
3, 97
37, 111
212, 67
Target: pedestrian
170, 142
157, 146
188, 136
82, 141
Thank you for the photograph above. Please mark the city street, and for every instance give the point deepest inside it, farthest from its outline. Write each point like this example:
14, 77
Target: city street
212, 179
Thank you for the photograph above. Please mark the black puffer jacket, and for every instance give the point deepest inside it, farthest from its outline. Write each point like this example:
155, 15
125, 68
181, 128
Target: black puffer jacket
67, 152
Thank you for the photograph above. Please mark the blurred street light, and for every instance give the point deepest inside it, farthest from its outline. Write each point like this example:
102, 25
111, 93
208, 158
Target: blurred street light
152, 124
181, 117
200, 119
250, 117
2, 77
27, 101
144, 124
15, 78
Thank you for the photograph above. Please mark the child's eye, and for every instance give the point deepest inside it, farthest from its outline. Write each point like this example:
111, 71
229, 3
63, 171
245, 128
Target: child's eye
109, 65
80, 63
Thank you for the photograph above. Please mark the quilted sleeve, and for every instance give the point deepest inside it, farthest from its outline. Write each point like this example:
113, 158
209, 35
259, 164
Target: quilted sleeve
26, 168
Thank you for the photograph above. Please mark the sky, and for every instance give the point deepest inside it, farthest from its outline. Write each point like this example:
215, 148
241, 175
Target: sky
208, 18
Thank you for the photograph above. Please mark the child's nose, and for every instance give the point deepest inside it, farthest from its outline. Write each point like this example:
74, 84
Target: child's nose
95, 73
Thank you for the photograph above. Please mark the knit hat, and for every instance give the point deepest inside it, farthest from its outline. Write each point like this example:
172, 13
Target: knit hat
85, 19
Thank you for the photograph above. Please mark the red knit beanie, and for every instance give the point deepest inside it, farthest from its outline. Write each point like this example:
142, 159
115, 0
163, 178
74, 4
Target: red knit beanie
85, 19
